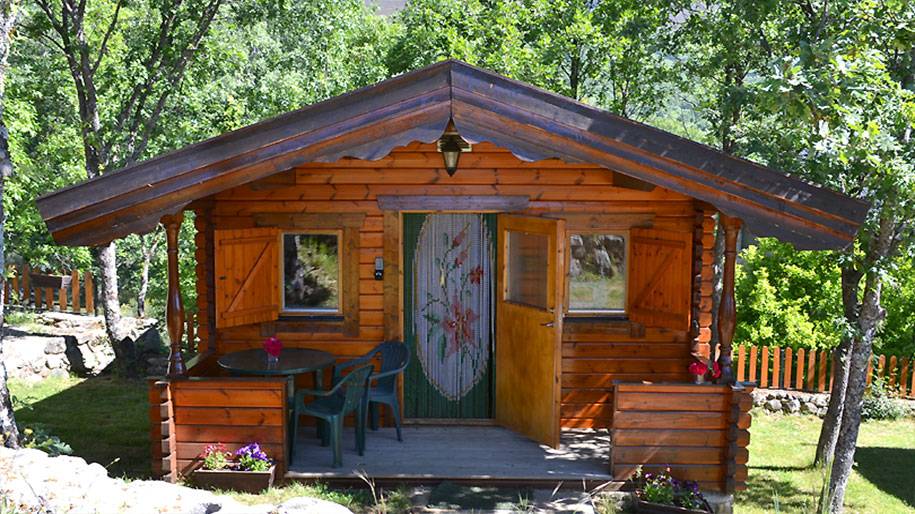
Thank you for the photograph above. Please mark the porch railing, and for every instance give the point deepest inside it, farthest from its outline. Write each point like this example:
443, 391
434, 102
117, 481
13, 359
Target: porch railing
188, 414
699, 432
812, 370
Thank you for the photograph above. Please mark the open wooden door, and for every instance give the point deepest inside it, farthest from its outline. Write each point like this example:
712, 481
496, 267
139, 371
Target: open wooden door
529, 303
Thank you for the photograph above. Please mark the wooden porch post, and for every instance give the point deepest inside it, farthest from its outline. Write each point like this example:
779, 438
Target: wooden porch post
174, 310
727, 309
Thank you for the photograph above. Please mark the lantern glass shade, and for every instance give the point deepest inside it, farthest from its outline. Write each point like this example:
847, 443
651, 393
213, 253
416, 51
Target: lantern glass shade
451, 152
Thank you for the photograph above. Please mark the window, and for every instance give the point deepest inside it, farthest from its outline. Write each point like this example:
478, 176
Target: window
527, 269
597, 273
311, 273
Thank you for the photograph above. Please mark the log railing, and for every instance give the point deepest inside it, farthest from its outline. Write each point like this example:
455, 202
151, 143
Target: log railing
699, 432
30, 287
812, 370
187, 414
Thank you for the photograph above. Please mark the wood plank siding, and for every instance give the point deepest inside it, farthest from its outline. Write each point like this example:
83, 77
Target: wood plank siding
700, 432
187, 415
593, 354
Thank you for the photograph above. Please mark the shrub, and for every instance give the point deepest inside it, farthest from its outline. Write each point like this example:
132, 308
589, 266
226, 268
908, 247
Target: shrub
879, 403
38, 438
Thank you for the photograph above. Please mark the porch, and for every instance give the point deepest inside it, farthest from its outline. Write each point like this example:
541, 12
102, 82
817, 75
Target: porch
467, 454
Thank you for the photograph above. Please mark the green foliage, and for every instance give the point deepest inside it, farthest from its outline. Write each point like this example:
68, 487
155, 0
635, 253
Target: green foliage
880, 403
36, 436
604, 53
787, 297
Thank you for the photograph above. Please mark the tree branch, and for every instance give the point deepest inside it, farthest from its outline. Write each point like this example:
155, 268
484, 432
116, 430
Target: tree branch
104, 46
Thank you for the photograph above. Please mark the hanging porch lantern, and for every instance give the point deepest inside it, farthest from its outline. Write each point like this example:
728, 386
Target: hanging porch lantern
451, 145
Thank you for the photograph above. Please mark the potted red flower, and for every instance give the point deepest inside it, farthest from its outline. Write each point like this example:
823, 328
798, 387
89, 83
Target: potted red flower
273, 346
702, 372
248, 469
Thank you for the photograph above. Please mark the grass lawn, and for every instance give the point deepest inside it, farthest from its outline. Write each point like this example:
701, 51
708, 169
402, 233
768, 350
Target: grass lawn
105, 421
781, 456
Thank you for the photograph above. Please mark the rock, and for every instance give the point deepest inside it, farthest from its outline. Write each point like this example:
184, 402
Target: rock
39, 483
791, 406
773, 405
809, 408
55, 345
304, 505
56, 361
150, 341
58, 373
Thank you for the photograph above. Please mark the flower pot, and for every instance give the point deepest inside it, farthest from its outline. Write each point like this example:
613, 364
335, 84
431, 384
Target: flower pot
645, 507
698, 379
243, 481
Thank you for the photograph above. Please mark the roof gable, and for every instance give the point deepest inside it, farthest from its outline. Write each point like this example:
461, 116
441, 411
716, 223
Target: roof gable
532, 123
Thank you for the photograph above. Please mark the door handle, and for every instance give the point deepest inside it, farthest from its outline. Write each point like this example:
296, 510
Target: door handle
548, 324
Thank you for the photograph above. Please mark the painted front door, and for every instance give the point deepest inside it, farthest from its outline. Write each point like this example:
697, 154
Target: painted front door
448, 321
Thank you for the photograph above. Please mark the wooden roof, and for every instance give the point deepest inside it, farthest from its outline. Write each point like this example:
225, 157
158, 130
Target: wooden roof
532, 123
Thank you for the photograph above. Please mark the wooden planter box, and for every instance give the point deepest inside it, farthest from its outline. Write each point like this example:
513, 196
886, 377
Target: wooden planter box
645, 507
244, 481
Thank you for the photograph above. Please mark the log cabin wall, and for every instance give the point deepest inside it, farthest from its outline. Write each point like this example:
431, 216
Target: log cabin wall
594, 354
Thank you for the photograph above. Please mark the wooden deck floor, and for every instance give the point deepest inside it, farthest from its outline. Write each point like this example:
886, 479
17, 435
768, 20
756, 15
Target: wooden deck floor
456, 453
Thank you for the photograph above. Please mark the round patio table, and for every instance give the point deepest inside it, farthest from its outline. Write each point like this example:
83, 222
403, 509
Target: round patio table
292, 361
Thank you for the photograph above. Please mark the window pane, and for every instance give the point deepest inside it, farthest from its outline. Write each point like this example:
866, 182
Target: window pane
597, 272
311, 272
527, 273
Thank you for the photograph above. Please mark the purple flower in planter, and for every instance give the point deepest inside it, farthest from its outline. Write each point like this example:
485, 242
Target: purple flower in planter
252, 458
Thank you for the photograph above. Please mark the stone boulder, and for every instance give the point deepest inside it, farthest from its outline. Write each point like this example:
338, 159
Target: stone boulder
32, 482
303, 505
60, 343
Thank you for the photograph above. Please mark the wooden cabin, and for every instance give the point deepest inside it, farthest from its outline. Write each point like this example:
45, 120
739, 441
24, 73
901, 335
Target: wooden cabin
547, 263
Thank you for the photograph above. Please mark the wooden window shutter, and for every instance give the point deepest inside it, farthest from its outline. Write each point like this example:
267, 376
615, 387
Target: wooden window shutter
659, 278
247, 276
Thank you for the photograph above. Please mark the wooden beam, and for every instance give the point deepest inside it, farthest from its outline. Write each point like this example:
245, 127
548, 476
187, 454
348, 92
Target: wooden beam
727, 309
696, 286
174, 308
450, 203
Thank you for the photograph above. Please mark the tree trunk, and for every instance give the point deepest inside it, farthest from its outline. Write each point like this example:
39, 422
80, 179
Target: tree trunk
144, 279
717, 268
105, 257
829, 432
9, 433
867, 322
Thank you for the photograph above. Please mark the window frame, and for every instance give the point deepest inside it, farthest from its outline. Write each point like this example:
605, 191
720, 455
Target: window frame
597, 313
316, 313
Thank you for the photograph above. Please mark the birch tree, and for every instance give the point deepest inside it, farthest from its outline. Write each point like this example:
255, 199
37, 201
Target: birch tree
9, 434
126, 60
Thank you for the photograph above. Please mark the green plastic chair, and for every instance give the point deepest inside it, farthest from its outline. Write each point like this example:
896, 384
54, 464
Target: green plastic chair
395, 356
331, 406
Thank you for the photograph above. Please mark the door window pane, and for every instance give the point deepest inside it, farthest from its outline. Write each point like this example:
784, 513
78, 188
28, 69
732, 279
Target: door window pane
527, 272
597, 273
311, 272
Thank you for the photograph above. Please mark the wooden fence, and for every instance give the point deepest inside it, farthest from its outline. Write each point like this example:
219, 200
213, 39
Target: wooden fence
812, 370
33, 288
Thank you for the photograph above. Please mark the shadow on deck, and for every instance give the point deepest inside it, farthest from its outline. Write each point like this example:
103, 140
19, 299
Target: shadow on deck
467, 454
